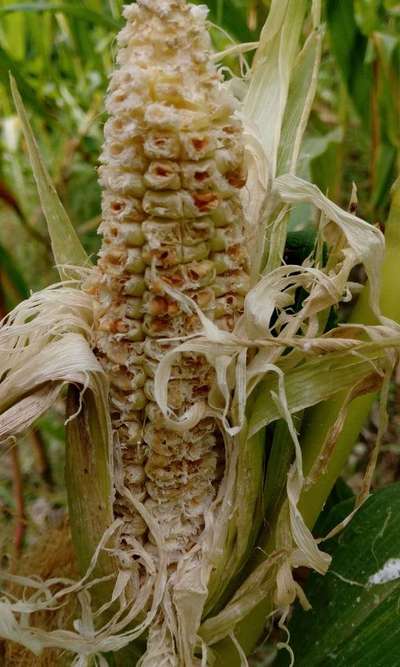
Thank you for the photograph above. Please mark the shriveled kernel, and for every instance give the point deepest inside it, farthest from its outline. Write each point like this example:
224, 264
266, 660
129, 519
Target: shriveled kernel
137, 526
196, 231
159, 232
133, 435
121, 381
163, 256
135, 331
134, 308
134, 261
135, 474
224, 237
195, 252
138, 378
163, 204
238, 282
122, 182
125, 156
228, 304
134, 286
137, 400
121, 209
227, 212
197, 145
223, 263
163, 175
162, 145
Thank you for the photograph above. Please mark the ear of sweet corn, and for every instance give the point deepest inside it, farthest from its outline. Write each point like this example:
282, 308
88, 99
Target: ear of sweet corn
172, 170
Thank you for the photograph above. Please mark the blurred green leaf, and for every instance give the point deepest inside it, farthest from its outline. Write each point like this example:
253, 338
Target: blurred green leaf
354, 620
67, 248
8, 65
14, 276
232, 16
385, 174
66, 8
349, 46
369, 15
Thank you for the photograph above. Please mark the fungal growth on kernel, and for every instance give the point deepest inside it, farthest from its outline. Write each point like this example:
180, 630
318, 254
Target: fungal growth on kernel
172, 169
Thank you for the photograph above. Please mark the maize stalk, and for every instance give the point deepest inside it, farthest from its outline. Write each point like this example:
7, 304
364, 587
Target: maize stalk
172, 170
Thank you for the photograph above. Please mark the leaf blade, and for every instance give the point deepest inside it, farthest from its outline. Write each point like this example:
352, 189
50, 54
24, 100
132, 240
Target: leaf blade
80, 12
66, 246
356, 623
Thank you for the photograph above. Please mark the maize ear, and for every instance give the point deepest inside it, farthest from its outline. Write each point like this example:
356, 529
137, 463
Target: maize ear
172, 169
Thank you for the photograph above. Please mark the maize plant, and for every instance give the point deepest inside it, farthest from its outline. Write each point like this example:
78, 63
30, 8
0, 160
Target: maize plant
191, 351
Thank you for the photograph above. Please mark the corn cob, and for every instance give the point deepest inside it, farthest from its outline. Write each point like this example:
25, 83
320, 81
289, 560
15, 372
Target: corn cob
172, 171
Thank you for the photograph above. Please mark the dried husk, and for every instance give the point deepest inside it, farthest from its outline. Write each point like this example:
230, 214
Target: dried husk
52, 555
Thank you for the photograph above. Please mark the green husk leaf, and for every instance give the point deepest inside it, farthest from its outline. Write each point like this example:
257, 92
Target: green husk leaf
300, 98
301, 94
275, 110
251, 593
323, 377
243, 523
67, 249
88, 477
265, 103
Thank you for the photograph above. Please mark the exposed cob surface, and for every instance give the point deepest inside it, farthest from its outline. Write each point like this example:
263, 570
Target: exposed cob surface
172, 171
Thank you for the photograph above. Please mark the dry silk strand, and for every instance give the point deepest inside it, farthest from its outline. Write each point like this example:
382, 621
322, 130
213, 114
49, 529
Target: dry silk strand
172, 172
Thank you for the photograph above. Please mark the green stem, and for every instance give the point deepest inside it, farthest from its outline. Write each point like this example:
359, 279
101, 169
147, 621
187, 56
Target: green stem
249, 631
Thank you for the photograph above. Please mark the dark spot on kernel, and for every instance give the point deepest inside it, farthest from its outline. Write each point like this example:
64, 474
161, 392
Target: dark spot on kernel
116, 149
117, 207
230, 129
201, 391
201, 176
205, 201
236, 179
199, 144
